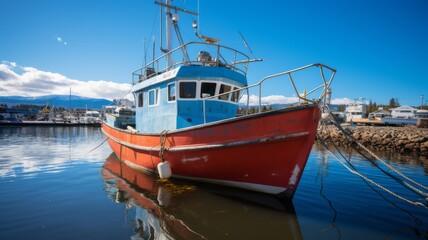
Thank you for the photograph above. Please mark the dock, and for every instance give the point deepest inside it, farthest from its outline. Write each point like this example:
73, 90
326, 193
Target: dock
366, 121
47, 123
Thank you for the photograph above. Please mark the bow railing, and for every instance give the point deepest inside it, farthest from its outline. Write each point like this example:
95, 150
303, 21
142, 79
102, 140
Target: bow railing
323, 88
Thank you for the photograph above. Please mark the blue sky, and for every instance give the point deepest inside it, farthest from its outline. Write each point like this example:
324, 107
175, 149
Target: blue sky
379, 48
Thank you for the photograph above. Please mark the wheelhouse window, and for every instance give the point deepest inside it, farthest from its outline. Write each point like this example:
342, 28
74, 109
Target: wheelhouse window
223, 89
235, 95
208, 89
171, 92
154, 97
140, 99
187, 90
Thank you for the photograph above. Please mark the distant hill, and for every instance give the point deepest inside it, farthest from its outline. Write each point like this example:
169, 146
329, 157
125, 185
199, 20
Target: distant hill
274, 106
123, 102
57, 101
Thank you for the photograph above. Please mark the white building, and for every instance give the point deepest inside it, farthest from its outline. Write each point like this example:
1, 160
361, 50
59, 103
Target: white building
379, 114
403, 112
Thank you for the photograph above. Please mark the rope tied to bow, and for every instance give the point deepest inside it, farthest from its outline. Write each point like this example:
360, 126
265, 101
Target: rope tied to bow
163, 137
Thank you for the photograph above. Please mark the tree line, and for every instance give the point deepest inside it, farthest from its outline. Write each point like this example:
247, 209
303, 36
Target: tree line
373, 106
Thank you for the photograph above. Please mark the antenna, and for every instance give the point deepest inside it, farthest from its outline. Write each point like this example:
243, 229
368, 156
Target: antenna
153, 52
161, 31
197, 26
145, 52
246, 45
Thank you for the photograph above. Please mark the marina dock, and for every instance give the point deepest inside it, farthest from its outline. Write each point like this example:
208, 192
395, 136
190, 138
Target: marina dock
366, 121
47, 124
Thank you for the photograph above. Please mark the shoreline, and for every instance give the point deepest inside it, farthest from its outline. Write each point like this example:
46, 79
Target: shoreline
404, 140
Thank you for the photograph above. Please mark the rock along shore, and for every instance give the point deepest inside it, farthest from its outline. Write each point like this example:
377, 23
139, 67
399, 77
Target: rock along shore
391, 139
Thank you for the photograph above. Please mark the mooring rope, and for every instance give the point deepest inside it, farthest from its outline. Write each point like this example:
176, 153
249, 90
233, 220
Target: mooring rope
83, 154
151, 157
353, 141
98, 146
163, 137
408, 186
417, 220
330, 204
369, 180
389, 166
400, 181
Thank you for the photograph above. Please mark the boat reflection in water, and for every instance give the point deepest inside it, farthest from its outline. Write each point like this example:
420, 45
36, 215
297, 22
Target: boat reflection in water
174, 210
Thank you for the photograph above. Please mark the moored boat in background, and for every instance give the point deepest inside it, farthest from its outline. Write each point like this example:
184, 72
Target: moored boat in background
355, 111
406, 115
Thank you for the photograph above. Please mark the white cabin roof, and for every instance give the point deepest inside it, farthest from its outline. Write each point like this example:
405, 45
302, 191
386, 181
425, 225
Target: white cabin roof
404, 108
380, 111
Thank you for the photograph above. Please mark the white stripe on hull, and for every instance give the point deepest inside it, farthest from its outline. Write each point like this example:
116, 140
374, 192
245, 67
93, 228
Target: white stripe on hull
244, 185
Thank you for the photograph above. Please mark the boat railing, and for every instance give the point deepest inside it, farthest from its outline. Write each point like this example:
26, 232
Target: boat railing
204, 54
323, 88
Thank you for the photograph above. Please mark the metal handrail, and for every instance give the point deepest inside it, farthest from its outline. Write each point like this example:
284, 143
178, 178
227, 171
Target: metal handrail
154, 65
325, 84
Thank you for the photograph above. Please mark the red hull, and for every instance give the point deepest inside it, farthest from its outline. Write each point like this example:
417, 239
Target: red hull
265, 152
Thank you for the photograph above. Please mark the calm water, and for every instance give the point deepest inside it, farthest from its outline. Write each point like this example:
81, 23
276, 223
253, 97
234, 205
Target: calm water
53, 187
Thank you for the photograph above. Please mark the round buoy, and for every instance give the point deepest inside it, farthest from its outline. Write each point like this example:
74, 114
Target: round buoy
164, 170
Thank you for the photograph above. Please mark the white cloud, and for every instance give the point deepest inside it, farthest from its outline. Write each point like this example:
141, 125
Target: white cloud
61, 40
20, 159
31, 82
268, 100
280, 99
341, 101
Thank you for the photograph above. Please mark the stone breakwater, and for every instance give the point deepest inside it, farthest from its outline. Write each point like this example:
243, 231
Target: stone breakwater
391, 139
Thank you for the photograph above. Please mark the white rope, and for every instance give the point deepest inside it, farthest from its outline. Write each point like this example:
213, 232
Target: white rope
373, 182
392, 168
383, 162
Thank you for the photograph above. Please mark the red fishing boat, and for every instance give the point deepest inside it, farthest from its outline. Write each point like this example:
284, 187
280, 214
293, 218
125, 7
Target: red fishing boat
190, 121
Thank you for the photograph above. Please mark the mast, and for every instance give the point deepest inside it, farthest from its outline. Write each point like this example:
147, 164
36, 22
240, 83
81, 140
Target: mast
153, 52
69, 100
169, 21
168, 35
145, 52
69, 106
